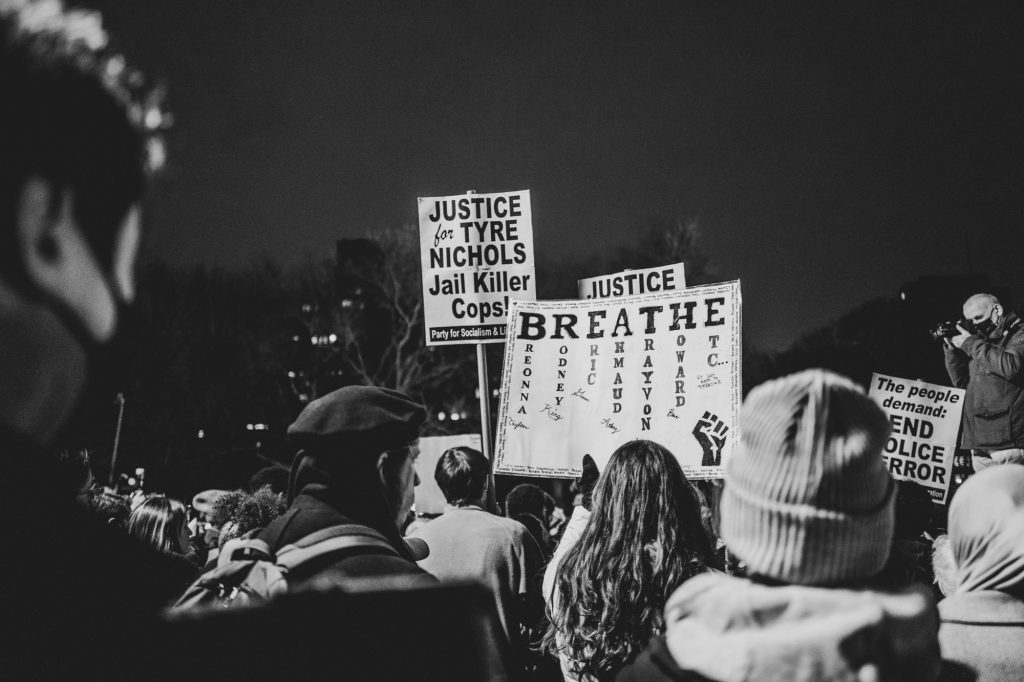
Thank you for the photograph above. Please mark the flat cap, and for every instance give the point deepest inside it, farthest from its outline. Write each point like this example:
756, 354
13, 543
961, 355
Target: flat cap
359, 419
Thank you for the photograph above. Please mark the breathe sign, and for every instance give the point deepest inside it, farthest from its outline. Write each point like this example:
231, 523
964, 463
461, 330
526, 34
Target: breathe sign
476, 252
584, 377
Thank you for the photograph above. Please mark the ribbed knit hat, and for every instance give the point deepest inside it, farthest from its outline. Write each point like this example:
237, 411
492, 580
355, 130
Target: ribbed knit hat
808, 499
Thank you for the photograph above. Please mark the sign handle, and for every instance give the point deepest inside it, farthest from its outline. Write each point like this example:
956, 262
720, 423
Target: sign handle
485, 399
484, 387
117, 439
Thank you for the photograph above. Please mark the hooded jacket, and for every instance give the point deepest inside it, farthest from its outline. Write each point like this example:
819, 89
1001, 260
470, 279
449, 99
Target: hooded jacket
735, 630
983, 620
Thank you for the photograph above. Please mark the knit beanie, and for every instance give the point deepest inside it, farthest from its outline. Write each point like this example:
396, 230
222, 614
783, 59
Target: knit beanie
808, 499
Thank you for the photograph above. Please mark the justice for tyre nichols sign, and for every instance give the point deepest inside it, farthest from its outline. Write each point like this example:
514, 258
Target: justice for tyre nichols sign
477, 255
584, 377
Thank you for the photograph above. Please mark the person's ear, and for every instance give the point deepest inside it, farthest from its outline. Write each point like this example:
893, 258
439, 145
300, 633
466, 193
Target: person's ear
57, 260
382, 470
126, 252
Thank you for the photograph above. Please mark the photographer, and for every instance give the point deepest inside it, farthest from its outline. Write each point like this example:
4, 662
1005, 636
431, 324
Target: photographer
989, 362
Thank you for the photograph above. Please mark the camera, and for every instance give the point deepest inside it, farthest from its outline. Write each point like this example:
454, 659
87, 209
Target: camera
948, 329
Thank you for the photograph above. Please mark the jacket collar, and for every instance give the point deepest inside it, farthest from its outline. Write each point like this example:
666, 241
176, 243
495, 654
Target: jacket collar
735, 630
984, 606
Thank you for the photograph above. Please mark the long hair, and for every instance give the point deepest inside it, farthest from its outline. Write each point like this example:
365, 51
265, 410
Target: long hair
644, 538
159, 522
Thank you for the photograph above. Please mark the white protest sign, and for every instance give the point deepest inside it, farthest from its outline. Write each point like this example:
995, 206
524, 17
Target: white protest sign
584, 377
429, 498
633, 282
925, 420
477, 255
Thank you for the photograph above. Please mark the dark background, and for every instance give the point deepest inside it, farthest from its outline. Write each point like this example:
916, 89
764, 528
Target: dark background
830, 151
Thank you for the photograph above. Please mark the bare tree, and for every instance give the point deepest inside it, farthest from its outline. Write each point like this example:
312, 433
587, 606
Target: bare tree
665, 241
369, 307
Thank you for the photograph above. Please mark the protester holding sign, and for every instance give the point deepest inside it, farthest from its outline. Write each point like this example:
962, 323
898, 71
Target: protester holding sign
644, 538
989, 363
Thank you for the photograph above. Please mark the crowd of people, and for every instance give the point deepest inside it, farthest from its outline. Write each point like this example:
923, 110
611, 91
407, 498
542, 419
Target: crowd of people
833, 575
808, 562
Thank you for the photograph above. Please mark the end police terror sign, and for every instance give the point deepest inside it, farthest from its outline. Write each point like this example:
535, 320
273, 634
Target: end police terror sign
476, 252
924, 419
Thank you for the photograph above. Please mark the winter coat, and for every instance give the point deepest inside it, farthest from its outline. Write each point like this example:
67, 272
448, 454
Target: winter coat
735, 630
992, 371
982, 637
982, 630
309, 512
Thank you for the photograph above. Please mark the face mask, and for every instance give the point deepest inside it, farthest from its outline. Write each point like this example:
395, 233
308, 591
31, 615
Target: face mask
985, 327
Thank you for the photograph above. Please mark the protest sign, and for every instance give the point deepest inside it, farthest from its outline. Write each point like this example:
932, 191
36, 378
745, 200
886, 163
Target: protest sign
633, 282
429, 498
584, 377
477, 255
925, 419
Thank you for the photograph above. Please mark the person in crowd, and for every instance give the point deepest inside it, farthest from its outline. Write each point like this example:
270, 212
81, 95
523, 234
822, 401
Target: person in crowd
989, 363
207, 534
73, 471
982, 632
162, 523
112, 509
273, 475
238, 514
469, 543
642, 539
532, 507
808, 506
354, 467
76, 154
203, 503
910, 560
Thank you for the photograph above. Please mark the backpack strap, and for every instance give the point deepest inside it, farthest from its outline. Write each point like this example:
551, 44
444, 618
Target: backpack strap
330, 540
244, 549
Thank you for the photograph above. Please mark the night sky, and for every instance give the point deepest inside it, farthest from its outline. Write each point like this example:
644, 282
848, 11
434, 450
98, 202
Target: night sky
831, 151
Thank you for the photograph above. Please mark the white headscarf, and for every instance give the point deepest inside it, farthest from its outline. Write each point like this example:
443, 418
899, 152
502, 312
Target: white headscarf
986, 530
